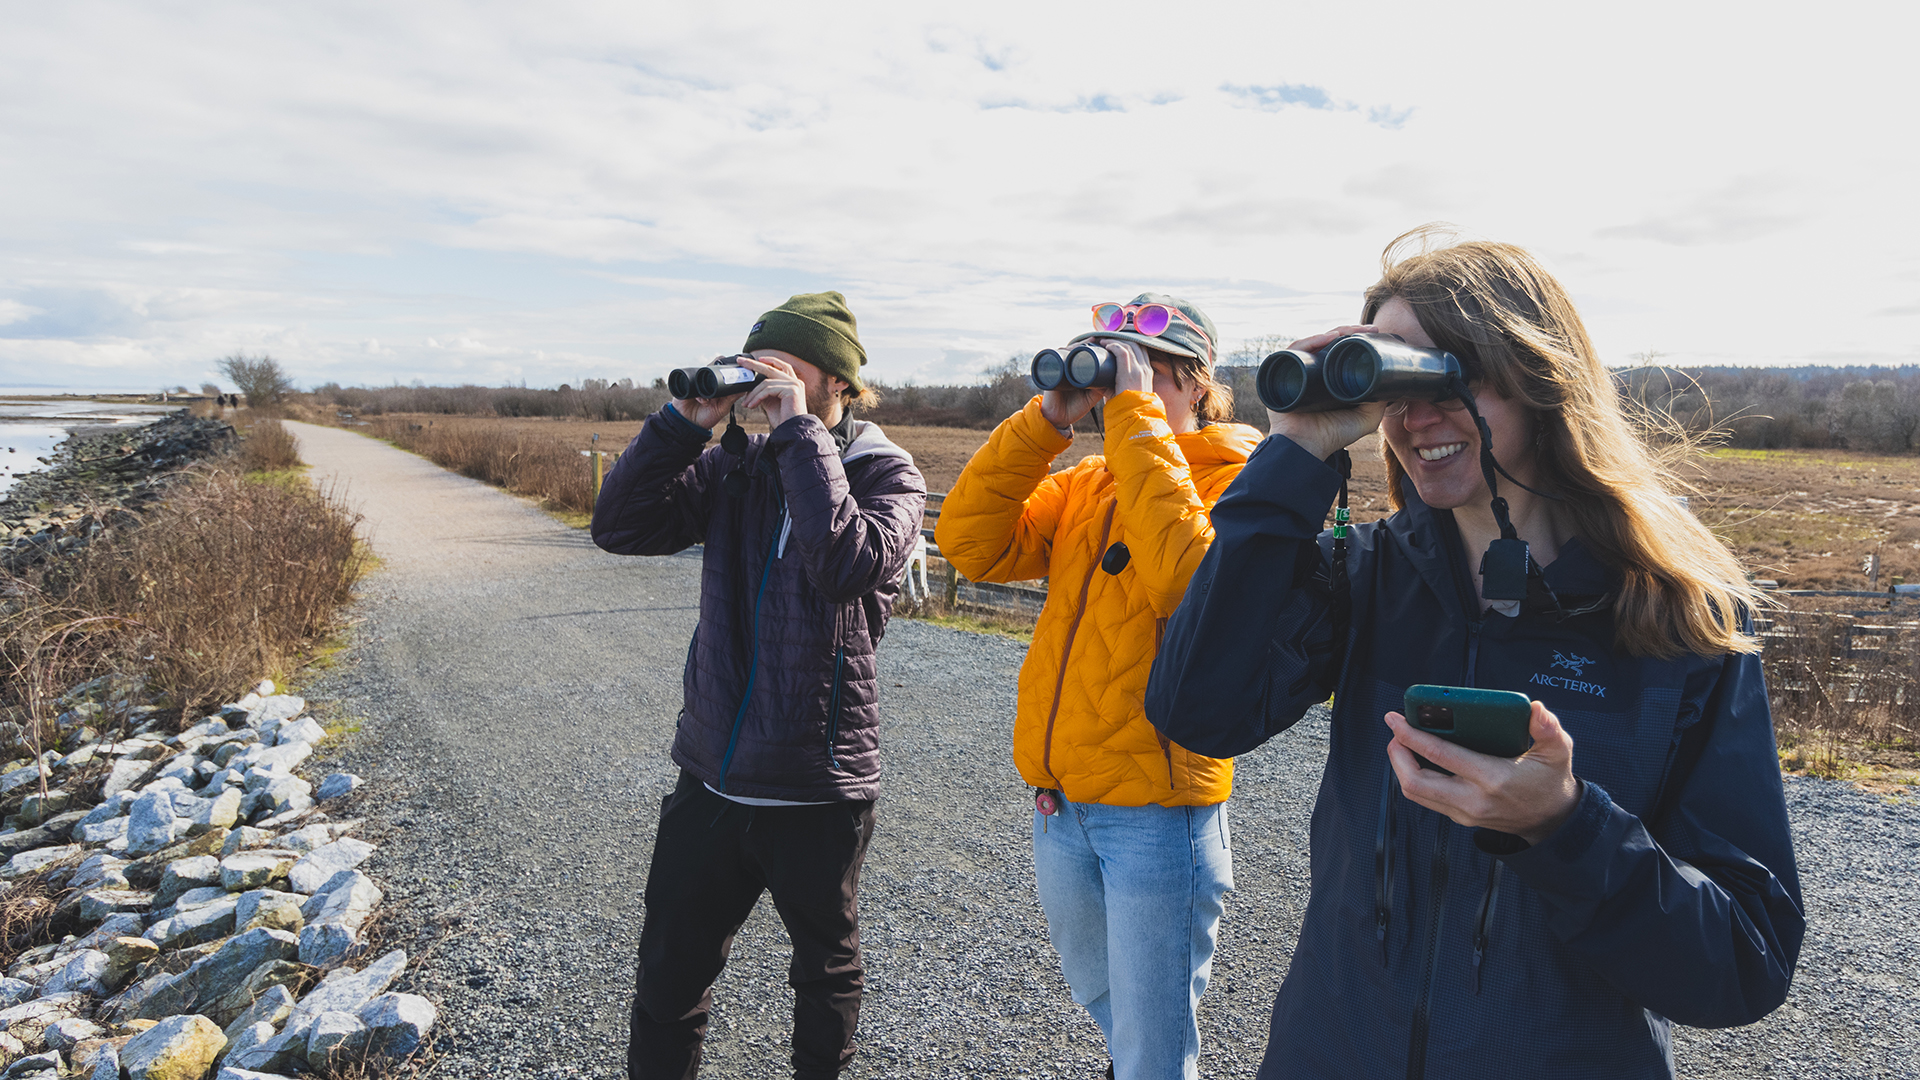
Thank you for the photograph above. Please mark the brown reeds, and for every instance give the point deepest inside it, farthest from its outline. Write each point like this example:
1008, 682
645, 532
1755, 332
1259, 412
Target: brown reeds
539, 467
200, 595
267, 446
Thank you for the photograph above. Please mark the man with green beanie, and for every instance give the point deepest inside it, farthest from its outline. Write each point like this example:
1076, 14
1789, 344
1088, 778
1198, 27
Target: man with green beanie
806, 531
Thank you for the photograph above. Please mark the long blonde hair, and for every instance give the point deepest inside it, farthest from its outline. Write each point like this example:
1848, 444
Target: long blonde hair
1515, 329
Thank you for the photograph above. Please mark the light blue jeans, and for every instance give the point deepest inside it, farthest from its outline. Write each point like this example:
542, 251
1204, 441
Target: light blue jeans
1132, 896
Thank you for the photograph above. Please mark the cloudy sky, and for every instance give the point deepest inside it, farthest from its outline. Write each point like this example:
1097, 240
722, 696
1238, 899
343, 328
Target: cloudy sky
478, 192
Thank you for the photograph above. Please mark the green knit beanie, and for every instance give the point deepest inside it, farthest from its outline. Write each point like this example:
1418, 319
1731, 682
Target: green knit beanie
817, 328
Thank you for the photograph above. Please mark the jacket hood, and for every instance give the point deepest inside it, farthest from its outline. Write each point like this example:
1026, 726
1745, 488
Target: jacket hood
869, 441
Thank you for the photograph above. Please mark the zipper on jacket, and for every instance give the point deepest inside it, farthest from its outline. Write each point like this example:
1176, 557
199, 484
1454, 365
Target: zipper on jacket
1066, 652
833, 707
1473, 647
1383, 861
1417, 1043
753, 663
1481, 936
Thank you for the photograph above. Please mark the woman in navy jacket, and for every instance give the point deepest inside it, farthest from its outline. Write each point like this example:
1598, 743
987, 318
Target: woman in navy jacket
1545, 916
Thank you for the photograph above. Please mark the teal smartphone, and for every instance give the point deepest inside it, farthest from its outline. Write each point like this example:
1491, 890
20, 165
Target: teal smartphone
1485, 721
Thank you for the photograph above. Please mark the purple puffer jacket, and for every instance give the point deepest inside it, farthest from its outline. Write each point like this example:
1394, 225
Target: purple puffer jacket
798, 576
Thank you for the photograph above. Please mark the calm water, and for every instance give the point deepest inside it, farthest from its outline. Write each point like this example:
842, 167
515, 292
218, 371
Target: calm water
29, 430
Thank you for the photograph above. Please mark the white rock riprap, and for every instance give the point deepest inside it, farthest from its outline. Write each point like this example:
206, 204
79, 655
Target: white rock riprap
211, 885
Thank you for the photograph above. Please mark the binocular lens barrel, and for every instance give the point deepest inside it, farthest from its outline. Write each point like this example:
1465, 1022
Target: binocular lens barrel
1356, 369
1089, 366
1289, 381
1049, 369
725, 381
1374, 367
712, 381
1081, 367
680, 382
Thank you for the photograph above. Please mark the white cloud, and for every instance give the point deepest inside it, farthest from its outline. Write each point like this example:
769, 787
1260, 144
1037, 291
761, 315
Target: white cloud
12, 311
589, 189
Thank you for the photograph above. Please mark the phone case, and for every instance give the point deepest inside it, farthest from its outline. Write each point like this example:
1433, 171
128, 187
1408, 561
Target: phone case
1487, 721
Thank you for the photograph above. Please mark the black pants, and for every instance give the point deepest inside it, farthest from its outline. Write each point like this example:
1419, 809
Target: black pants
711, 860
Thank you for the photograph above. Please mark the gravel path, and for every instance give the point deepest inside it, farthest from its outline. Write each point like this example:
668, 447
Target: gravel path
516, 689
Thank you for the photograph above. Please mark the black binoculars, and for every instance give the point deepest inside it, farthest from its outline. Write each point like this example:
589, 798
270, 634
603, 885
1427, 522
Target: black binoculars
1079, 367
1354, 370
722, 378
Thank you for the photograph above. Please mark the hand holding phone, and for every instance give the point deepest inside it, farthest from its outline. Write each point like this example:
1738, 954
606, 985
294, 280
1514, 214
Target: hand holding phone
1484, 721
1528, 795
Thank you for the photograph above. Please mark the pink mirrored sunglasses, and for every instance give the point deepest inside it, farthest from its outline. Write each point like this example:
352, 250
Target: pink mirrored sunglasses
1152, 320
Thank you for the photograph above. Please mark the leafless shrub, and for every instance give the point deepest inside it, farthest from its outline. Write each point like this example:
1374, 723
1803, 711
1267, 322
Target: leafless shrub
266, 446
29, 910
260, 379
45, 647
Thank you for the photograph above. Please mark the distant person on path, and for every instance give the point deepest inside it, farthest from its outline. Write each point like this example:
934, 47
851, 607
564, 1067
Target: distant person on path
806, 532
1549, 915
1130, 842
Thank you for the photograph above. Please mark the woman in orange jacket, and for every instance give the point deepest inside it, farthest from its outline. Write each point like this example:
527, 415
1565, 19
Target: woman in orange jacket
1130, 841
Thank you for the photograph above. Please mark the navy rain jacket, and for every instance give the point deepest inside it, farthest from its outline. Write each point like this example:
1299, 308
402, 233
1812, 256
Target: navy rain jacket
797, 580
1433, 950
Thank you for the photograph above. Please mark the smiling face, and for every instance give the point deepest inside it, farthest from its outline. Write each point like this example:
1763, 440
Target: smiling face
1440, 450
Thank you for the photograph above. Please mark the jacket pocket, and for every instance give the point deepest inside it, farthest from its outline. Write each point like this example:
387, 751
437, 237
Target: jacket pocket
833, 707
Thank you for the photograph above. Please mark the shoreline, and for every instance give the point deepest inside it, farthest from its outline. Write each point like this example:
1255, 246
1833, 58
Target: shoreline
90, 477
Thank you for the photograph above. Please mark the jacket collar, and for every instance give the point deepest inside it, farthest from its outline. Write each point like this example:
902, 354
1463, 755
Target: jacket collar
1218, 444
1428, 539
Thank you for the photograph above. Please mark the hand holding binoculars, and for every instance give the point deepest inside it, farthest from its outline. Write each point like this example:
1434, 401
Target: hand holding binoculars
1354, 370
722, 378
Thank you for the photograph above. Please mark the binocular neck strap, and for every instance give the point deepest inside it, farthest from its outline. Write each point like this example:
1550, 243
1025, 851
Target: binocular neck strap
1489, 464
734, 441
1342, 463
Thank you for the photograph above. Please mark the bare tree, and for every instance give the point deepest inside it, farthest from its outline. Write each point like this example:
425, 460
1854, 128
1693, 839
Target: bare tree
261, 379
1255, 349
208, 389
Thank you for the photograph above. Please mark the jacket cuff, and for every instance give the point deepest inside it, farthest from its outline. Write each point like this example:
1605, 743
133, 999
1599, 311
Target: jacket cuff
1575, 860
679, 428
803, 428
1128, 415
1037, 431
1280, 474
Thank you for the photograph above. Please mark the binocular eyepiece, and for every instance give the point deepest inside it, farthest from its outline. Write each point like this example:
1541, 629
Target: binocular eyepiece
1354, 370
1079, 367
722, 378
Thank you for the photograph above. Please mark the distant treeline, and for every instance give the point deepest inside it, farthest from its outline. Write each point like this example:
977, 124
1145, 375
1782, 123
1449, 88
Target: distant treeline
1856, 408
1870, 408
1002, 392
594, 399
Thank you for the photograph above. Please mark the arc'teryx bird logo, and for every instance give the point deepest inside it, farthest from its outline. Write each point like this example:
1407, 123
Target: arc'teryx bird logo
1575, 663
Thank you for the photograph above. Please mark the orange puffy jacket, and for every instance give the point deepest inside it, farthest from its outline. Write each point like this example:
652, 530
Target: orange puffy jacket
1080, 727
